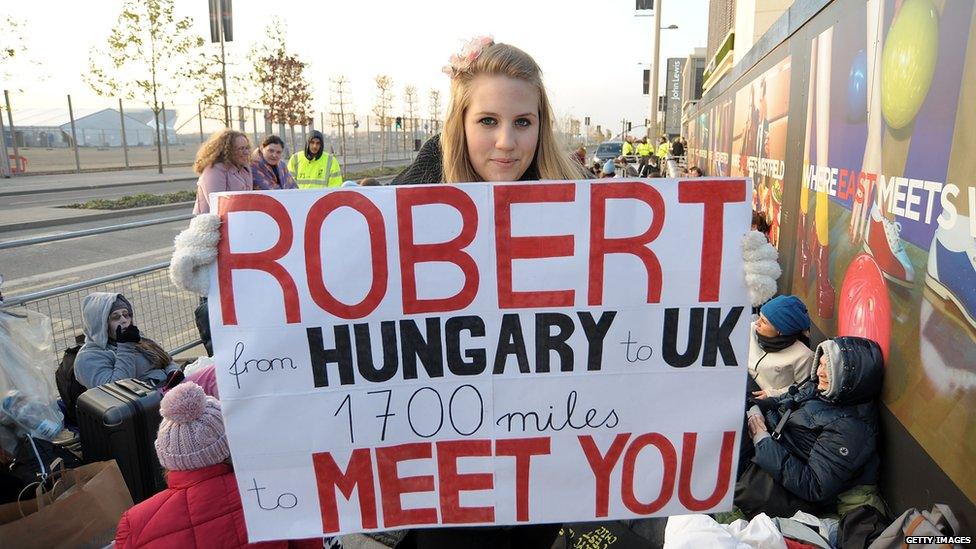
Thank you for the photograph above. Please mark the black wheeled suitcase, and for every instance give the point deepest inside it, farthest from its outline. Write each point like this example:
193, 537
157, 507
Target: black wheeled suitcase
119, 421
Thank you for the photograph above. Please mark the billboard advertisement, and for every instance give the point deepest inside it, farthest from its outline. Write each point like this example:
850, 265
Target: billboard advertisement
759, 139
886, 239
878, 172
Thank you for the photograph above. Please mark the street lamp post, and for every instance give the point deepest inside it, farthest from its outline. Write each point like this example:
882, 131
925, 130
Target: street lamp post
657, 61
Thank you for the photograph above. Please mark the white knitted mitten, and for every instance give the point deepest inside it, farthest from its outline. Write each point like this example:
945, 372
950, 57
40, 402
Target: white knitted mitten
195, 249
761, 266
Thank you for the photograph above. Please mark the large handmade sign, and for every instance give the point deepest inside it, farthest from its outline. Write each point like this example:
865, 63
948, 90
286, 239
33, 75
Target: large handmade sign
481, 354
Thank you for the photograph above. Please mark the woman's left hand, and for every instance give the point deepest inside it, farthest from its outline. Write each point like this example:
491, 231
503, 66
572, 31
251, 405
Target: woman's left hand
759, 395
757, 424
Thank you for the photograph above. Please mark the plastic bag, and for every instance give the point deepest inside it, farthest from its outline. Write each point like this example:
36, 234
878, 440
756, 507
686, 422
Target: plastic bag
27, 373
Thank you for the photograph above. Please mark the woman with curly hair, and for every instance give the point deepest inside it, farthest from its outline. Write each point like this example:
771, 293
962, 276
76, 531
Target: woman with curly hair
223, 164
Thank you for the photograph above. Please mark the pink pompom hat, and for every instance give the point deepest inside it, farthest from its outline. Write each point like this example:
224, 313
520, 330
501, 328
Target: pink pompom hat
191, 435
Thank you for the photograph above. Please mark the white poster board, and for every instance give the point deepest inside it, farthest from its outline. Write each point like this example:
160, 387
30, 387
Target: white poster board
396, 357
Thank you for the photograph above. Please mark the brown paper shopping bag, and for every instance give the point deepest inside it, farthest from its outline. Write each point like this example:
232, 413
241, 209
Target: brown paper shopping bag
81, 511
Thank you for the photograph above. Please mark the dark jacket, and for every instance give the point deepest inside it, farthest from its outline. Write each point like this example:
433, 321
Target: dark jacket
829, 445
428, 167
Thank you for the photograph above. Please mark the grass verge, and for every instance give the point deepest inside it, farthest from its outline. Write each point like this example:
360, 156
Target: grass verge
146, 199
135, 201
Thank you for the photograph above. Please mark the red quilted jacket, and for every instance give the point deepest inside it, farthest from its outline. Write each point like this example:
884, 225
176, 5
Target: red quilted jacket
201, 508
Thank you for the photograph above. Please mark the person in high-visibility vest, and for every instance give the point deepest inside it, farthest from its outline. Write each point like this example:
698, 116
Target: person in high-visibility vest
628, 147
662, 153
662, 147
314, 168
644, 151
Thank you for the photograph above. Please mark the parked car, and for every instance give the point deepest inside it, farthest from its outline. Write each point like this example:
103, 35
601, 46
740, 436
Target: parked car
608, 150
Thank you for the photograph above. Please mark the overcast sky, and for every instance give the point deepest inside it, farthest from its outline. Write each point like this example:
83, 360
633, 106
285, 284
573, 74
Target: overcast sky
589, 51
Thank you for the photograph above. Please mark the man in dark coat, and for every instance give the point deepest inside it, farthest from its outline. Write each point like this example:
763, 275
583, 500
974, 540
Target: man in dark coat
819, 439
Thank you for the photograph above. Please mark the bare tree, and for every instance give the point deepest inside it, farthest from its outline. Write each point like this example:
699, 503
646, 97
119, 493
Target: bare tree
208, 80
384, 100
410, 98
434, 99
146, 57
340, 104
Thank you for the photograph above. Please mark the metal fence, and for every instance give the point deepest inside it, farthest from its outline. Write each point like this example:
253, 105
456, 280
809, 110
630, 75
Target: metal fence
163, 312
110, 133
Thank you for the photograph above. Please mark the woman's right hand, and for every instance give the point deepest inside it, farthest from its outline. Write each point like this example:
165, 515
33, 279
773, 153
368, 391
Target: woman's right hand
195, 249
759, 395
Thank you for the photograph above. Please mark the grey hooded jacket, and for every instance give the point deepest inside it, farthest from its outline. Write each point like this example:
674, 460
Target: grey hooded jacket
102, 360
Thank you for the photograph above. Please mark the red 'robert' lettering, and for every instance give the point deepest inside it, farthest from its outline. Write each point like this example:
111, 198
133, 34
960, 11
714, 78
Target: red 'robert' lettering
451, 251
714, 195
509, 248
266, 261
601, 246
313, 257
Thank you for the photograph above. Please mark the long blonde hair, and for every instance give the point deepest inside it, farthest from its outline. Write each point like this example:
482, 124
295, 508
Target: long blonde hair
219, 148
550, 161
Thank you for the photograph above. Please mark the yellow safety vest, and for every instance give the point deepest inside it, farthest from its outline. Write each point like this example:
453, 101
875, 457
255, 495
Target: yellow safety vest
644, 149
311, 174
662, 150
628, 149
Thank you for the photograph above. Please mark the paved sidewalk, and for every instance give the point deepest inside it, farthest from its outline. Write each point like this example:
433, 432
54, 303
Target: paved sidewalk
29, 184
43, 216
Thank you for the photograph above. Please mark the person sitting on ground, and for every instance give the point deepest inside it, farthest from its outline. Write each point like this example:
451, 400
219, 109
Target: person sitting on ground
223, 164
760, 224
827, 442
267, 169
623, 169
202, 505
778, 356
596, 169
695, 171
114, 348
369, 182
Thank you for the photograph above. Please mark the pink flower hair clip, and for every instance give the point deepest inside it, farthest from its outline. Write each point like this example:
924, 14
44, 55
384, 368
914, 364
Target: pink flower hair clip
461, 62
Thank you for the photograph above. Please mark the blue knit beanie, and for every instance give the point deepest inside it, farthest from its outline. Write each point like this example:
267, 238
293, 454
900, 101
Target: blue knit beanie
787, 314
608, 167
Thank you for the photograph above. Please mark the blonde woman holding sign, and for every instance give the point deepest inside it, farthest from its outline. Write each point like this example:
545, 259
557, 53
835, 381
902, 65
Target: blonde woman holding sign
498, 129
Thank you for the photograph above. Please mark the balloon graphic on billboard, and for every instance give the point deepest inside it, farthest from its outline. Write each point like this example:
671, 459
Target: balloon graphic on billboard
908, 61
857, 89
865, 307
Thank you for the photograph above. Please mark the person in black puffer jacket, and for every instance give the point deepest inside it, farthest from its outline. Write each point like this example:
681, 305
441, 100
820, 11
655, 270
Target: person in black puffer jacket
828, 443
